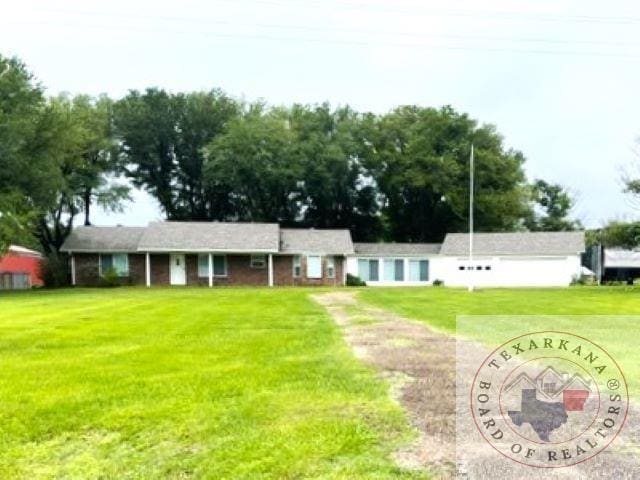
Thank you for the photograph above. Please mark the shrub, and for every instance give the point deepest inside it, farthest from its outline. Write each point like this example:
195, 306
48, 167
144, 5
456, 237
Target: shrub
438, 283
355, 281
109, 279
54, 270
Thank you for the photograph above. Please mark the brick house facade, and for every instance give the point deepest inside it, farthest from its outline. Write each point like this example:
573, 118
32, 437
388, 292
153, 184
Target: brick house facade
239, 271
182, 253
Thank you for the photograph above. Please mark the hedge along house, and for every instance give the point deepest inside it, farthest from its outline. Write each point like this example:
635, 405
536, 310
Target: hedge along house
208, 253
396, 264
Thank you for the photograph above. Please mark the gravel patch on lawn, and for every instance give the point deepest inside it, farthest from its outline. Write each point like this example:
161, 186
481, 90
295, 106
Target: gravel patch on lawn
420, 366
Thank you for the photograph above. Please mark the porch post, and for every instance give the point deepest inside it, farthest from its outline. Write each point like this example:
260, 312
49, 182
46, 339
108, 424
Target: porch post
73, 269
271, 270
210, 270
147, 268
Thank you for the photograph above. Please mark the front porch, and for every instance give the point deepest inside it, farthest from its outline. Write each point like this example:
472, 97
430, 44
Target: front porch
208, 269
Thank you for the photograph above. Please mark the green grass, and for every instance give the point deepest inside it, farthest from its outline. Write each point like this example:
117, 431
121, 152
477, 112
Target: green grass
439, 307
187, 383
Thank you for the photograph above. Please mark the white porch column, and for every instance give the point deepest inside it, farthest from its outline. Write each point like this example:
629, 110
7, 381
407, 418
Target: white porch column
73, 270
147, 268
210, 270
271, 270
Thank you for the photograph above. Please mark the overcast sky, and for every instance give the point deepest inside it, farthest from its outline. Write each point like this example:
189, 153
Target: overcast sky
560, 79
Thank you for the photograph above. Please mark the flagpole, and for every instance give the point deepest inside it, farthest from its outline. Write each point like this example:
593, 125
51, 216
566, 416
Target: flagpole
471, 188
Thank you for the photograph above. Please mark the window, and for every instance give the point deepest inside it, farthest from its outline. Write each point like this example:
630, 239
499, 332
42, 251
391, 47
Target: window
331, 267
394, 269
419, 270
314, 266
461, 267
368, 269
116, 261
203, 266
219, 266
487, 267
258, 261
297, 266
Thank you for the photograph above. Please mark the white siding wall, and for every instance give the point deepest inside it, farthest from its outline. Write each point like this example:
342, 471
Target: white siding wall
504, 271
434, 270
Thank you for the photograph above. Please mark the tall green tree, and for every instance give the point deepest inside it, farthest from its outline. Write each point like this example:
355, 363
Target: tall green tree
86, 161
336, 184
420, 161
616, 234
163, 136
552, 206
28, 176
257, 164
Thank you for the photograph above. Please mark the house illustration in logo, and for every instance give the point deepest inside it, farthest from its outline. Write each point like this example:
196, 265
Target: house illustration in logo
546, 399
550, 384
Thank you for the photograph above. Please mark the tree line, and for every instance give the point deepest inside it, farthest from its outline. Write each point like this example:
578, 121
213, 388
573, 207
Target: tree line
399, 176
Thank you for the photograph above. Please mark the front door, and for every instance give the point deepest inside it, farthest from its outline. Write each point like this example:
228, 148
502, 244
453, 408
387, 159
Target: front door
178, 269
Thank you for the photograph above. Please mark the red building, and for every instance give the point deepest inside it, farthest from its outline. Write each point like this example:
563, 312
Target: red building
20, 268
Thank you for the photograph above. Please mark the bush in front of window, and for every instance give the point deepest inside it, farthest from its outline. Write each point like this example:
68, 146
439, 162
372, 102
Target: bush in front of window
354, 281
109, 279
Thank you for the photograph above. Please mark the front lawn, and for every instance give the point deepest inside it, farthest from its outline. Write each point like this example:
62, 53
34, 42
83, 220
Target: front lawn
181, 383
438, 307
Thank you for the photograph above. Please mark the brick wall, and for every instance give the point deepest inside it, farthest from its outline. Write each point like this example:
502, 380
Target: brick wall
137, 269
88, 269
159, 269
283, 272
239, 271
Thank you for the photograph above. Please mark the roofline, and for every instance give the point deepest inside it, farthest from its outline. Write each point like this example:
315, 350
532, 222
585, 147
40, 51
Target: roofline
398, 254
102, 250
465, 253
313, 252
204, 250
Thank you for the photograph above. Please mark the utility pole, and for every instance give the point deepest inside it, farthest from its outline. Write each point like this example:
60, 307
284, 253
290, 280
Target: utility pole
470, 267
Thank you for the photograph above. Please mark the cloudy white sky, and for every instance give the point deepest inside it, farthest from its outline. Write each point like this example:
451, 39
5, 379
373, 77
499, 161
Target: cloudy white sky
560, 79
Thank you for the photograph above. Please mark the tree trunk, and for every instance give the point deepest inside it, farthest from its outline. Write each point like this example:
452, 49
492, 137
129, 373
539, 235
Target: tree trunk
86, 198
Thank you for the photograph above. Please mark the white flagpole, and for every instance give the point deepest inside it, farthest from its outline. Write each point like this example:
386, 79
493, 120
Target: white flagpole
471, 187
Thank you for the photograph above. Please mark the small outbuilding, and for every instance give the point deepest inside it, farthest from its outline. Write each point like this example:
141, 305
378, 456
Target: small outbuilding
20, 268
518, 259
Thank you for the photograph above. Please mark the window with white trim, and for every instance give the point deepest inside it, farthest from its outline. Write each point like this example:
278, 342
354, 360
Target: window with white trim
394, 269
419, 270
314, 266
368, 269
297, 266
331, 267
258, 261
219, 265
119, 262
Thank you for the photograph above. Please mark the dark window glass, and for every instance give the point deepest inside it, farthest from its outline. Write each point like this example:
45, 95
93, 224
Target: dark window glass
424, 270
373, 270
399, 270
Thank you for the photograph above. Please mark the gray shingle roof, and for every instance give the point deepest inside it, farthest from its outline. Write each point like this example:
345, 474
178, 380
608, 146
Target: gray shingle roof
103, 239
519, 243
210, 236
397, 248
331, 242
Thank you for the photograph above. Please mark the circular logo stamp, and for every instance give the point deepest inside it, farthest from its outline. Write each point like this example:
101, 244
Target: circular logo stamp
549, 399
